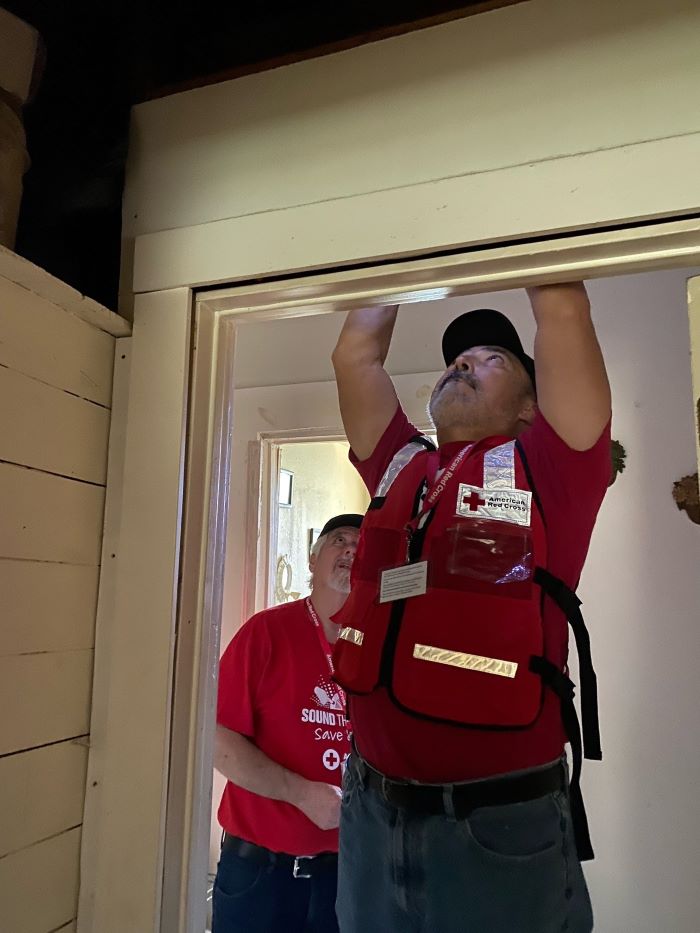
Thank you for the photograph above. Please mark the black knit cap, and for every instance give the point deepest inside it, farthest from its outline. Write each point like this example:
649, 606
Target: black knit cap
484, 327
349, 520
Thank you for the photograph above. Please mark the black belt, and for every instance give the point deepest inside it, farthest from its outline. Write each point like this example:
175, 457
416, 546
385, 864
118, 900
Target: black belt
431, 798
301, 866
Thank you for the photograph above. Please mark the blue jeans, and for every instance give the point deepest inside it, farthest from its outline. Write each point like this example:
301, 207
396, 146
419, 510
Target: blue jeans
504, 869
254, 898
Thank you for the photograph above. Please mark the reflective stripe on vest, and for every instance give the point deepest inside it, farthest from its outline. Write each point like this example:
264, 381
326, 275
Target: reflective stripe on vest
399, 461
499, 467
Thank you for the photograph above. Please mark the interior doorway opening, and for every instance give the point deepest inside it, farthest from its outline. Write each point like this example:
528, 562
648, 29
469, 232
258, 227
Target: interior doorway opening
306, 482
642, 321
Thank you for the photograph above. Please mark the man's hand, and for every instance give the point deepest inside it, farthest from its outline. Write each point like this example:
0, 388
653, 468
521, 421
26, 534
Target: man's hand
319, 801
573, 392
242, 762
366, 393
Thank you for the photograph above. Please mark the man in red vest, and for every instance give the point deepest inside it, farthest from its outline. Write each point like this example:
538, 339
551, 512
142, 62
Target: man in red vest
458, 815
282, 740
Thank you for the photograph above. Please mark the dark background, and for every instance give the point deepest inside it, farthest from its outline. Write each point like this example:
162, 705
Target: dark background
102, 56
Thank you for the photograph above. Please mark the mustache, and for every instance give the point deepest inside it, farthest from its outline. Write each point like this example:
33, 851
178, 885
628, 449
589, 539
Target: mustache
458, 376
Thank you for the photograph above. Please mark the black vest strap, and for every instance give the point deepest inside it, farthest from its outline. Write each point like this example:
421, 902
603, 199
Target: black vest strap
570, 605
564, 688
423, 441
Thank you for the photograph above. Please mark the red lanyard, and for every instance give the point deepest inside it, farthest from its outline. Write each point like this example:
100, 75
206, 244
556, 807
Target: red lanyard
439, 484
323, 641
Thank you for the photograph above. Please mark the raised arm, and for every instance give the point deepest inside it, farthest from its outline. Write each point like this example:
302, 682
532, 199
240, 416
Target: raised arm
573, 392
366, 393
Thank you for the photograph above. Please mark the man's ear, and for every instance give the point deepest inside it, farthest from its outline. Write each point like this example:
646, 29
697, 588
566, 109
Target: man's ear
312, 563
528, 411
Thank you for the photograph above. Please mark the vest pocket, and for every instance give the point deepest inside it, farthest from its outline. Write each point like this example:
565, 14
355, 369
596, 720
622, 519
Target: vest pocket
466, 660
493, 558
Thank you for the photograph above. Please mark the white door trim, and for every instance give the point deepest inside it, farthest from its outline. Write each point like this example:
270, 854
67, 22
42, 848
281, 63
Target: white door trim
124, 820
587, 190
491, 268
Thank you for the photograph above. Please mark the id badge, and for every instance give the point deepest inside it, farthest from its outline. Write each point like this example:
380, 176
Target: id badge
403, 582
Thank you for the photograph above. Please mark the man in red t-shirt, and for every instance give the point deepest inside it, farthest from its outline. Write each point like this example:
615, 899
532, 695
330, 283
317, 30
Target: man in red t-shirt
446, 826
282, 741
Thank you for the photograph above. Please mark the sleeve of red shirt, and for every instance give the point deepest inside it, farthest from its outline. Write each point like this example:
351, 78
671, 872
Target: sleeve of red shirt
398, 433
570, 483
241, 671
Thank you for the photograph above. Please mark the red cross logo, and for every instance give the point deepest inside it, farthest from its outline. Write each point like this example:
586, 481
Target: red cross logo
331, 759
473, 500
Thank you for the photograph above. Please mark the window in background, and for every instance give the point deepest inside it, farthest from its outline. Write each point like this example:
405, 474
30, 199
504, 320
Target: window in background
324, 484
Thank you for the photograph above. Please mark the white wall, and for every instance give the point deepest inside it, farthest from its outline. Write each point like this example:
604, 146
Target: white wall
474, 95
641, 588
642, 591
545, 115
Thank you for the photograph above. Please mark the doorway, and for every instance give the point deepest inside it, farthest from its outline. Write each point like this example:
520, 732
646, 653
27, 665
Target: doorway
222, 317
303, 482
654, 425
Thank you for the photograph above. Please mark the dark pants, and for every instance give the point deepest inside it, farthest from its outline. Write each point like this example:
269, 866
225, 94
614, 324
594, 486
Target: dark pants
250, 897
504, 869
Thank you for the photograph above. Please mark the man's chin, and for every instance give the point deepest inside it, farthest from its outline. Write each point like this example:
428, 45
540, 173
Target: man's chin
340, 583
452, 416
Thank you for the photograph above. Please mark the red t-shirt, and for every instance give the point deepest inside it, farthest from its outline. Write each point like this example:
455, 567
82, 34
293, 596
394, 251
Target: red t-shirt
275, 687
570, 485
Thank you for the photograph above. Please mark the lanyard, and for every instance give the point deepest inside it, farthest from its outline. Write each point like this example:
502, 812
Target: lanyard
322, 640
438, 487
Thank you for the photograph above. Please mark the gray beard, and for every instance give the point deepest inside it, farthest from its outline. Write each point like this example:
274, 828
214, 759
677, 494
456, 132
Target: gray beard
452, 414
473, 417
340, 581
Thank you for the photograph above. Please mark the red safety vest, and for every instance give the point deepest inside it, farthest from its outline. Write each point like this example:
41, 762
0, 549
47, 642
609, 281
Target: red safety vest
470, 649
461, 652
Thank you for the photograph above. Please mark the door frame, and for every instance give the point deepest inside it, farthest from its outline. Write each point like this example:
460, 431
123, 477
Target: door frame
171, 858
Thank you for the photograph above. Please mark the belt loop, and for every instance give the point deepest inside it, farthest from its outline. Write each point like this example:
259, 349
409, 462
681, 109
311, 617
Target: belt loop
564, 772
385, 791
360, 768
448, 802
298, 869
